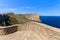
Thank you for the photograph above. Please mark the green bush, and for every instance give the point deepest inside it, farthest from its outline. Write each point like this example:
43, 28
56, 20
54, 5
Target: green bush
17, 19
13, 20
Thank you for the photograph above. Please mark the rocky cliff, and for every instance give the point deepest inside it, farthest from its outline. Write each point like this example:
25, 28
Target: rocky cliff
33, 17
31, 30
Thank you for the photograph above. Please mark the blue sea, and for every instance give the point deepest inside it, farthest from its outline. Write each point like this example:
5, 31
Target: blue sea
51, 20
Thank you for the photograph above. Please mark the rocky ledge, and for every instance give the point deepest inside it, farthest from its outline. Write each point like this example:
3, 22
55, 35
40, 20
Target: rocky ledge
31, 30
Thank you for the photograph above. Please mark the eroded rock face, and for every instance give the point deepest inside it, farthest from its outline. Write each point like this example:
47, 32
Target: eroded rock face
45, 32
33, 31
33, 17
30, 30
9, 19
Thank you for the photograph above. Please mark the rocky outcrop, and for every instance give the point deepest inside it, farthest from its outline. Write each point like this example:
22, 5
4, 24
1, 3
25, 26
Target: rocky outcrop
45, 32
10, 19
33, 31
33, 17
30, 31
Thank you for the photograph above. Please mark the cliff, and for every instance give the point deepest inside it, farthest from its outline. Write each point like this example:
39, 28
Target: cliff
33, 17
31, 30
11, 19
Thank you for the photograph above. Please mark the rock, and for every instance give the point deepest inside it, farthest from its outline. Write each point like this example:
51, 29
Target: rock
33, 17
32, 31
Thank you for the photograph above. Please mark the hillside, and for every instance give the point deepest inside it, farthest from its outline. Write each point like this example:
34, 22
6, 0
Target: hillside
30, 30
11, 18
33, 31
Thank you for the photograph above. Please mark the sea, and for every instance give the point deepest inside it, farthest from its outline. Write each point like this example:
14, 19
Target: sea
51, 20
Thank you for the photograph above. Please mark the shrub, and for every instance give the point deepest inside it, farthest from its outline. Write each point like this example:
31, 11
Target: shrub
17, 19
13, 20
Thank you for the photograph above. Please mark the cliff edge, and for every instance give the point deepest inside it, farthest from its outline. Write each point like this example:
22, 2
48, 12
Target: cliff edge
31, 30
33, 17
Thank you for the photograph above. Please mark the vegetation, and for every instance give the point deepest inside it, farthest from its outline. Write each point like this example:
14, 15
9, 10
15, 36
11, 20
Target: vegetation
12, 21
17, 19
11, 18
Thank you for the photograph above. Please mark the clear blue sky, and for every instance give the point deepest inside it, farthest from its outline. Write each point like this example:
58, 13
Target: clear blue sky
42, 7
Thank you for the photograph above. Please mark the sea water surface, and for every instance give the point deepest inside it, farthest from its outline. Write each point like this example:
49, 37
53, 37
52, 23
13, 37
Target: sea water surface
51, 20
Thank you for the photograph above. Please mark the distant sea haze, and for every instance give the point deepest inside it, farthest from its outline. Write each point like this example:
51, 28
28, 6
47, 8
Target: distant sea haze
51, 20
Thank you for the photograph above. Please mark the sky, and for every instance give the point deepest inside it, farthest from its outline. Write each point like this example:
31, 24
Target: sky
41, 7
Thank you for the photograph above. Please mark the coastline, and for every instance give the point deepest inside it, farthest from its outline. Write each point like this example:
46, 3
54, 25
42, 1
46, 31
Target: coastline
31, 30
